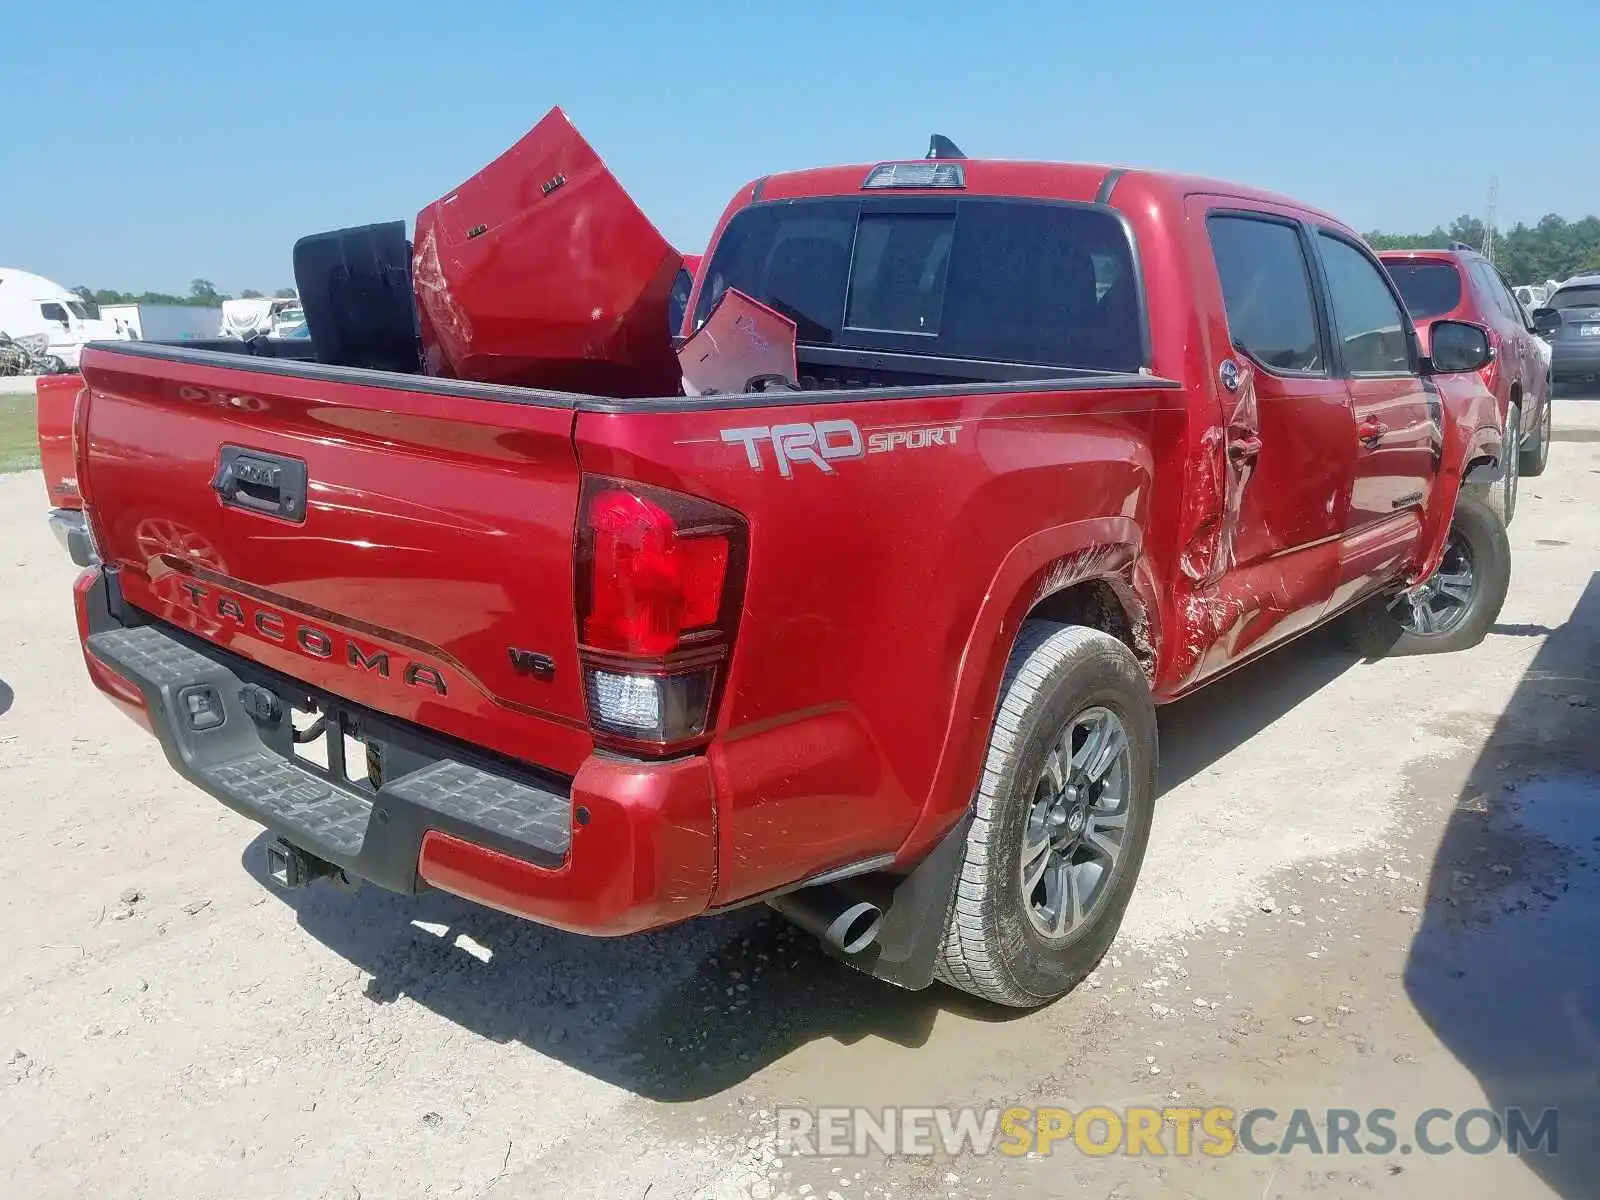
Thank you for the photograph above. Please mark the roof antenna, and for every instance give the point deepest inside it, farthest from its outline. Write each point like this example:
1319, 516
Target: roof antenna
940, 146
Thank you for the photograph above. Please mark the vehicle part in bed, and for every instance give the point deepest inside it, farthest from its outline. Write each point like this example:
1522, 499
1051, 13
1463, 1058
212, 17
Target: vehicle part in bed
541, 271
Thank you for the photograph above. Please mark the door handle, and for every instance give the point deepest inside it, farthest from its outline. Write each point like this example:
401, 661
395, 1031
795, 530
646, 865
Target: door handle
265, 483
1243, 450
1371, 433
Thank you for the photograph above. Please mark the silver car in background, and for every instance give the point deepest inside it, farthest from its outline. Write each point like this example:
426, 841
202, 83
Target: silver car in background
1570, 321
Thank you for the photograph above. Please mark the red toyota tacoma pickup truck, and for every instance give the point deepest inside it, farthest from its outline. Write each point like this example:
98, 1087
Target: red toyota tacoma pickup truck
55, 396
881, 648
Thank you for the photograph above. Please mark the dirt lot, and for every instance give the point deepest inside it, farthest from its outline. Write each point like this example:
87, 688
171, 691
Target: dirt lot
1371, 885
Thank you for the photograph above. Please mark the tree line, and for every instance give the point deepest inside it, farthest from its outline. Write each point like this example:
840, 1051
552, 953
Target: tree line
202, 294
1550, 248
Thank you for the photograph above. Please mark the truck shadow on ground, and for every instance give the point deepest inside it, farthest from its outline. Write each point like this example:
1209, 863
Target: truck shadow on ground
695, 1010
1505, 968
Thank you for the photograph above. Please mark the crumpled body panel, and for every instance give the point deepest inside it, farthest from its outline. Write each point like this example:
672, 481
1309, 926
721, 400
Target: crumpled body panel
541, 271
1219, 602
742, 340
1223, 463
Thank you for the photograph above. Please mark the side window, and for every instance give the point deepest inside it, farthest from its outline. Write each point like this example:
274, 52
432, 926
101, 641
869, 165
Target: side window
1266, 289
1372, 327
1519, 310
53, 312
1489, 282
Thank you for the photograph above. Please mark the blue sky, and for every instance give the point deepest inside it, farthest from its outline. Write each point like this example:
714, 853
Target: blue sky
146, 144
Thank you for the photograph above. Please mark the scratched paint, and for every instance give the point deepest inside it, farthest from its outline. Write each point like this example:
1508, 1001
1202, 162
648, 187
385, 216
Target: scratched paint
451, 324
1217, 606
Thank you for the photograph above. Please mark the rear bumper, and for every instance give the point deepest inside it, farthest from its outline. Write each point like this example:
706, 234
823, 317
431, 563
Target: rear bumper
625, 846
71, 529
1575, 359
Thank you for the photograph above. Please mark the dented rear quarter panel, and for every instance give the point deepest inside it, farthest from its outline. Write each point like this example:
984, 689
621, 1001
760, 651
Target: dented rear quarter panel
883, 592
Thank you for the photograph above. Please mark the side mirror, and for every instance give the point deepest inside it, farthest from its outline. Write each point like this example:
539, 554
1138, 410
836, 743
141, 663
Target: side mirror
1546, 320
1458, 347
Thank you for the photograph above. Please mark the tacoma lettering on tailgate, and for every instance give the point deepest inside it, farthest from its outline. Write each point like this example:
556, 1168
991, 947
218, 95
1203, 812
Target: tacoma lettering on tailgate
311, 640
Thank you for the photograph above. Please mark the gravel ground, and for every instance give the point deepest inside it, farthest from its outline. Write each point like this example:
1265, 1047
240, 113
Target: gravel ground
1369, 885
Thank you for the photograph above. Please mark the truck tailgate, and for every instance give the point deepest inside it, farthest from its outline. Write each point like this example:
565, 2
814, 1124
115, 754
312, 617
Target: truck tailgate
425, 569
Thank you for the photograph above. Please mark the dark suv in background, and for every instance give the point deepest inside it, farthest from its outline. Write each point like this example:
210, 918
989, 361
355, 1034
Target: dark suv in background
1459, 284
1570, 322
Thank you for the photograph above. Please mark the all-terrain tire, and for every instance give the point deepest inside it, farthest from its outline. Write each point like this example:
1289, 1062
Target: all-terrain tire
1536, 452
991, 947
1376, 632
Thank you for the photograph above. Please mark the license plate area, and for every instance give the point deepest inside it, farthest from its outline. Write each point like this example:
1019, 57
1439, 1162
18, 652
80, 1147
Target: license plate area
328, 741
1589, 330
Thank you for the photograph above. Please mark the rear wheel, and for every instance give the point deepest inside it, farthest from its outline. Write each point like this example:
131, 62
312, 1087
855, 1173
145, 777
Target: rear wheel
1061, 819
1536, 452
1454, 608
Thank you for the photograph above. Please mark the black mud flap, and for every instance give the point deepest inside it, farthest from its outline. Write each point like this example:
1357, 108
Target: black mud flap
915, 908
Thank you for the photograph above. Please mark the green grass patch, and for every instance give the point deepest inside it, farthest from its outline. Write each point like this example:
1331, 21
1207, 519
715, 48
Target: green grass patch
19, 433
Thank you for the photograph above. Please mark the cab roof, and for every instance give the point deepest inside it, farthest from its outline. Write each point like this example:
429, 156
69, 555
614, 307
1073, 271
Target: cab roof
1081, 182
1455, 254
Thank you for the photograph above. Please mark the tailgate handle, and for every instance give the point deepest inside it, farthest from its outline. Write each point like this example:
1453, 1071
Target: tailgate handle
273, 484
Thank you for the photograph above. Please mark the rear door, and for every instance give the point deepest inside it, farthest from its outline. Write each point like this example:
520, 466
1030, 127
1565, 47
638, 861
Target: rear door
1398, 418
1291, 510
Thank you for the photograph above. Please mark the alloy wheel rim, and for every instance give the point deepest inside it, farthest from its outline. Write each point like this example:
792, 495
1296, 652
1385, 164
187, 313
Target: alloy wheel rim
1077, 822
1438, 606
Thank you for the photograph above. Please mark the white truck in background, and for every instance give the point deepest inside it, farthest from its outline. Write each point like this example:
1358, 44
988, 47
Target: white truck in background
47, 318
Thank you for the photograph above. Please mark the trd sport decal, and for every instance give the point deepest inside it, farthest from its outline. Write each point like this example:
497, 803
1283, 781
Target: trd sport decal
822, 443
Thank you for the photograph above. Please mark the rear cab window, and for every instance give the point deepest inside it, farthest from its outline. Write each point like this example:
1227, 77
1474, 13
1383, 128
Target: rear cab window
1266, 291
1430, 287
1043, 283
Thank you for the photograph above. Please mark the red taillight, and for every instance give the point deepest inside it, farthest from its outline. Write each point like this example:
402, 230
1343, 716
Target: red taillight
659, 577
652, 579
